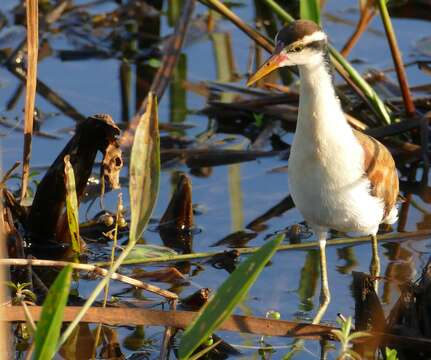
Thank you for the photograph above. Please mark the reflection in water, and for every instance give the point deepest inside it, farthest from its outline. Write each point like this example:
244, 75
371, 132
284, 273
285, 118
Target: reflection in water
137, 341
176, 224
235, 195
308, 280
347, 253
178, 94
400, 268
81, 344
125, 81
375, 262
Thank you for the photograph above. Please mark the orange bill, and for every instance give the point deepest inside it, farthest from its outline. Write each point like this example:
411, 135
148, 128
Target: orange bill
268, 67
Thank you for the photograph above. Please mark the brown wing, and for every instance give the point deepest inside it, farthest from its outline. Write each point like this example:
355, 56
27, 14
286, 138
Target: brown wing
381, 171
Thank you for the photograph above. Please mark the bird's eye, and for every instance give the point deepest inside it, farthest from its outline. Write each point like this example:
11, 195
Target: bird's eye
297, 48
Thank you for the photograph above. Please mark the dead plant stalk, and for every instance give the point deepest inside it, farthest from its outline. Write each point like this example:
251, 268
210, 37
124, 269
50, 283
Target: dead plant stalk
399, 236
398, 61
30, 94
98, 270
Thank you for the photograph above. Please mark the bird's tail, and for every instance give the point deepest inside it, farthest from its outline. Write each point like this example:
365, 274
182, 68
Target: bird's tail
392, 217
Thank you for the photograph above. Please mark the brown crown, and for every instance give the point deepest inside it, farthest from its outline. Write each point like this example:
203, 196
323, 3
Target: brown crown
297, 30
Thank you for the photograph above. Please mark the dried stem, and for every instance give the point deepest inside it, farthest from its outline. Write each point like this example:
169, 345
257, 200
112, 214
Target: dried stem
30, 93
237, 323
398, 61
93, 268
236, 20
114, 246
286, 247
367, 15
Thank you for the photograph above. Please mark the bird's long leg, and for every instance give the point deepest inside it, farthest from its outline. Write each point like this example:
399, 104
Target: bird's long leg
375, 261
325, 296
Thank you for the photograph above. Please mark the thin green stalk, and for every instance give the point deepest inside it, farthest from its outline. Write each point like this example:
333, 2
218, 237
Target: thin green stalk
114, 246
280, 11
398, 61
93, 296
114, 243
367, 90
286, 247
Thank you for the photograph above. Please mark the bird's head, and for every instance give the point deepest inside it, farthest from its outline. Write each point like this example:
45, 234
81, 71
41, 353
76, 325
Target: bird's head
301, 42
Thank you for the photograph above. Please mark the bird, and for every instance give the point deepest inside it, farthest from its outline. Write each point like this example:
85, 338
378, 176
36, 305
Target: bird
339, 178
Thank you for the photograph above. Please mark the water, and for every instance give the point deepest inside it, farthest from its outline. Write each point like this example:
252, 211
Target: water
233, 195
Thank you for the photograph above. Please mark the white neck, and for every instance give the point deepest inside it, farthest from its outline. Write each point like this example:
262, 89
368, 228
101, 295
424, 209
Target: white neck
320, 113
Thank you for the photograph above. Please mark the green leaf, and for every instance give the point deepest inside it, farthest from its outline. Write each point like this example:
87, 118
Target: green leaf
258, 119
357, 335
310, 10
352, 354
149, 251
48, 327
230, 293
391, 354
204, 351
155, 63
144, 169
345, 328
338, 334
72, 205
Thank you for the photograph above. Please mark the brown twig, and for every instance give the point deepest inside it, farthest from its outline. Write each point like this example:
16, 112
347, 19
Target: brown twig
284, 247
9, 173
96, 269
236, 323
367, 15
176, 319
6, 333
236, 20
47, 93
30, 92
398, 61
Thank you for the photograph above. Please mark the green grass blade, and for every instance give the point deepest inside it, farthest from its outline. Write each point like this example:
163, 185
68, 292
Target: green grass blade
144, 170
391, 354
72, 205
310, 10
149, 251
230, 293
201, 353
368, 91
48, 327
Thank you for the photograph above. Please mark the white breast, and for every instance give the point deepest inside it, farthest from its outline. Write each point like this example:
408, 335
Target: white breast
326, 174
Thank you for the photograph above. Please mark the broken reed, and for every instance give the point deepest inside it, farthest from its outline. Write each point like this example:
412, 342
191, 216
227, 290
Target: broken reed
30, 92
396, 56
